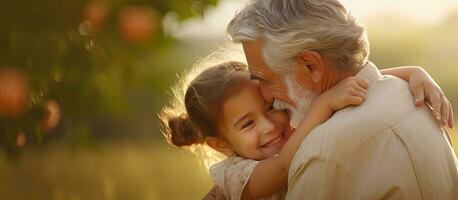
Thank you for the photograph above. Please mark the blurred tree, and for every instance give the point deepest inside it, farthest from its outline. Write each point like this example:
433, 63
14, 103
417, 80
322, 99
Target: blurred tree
62, 62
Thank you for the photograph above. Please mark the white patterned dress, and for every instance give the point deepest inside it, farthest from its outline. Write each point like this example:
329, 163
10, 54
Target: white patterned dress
232, 174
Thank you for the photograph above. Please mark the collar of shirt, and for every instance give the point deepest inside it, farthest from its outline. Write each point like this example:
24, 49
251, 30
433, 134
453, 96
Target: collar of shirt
369, 73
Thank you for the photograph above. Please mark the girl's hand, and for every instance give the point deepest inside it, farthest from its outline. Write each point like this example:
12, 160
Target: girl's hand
423, 86
350, 91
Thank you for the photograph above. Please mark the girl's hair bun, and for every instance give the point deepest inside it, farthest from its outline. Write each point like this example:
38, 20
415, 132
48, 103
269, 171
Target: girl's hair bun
183, 132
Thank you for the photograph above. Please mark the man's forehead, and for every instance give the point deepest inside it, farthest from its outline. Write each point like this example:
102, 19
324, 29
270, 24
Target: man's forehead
253, 51
258, 43
256, 64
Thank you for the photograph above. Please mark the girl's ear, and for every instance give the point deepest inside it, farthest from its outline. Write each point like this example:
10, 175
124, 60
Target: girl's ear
220, 145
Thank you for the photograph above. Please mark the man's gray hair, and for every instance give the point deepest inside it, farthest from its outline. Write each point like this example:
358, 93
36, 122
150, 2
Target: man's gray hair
292, 27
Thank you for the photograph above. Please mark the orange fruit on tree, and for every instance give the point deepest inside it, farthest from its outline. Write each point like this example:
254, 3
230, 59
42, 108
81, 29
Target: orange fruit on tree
14, 92
138, 24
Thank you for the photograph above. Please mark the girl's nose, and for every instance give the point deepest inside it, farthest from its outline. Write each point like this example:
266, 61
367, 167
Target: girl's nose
267, 126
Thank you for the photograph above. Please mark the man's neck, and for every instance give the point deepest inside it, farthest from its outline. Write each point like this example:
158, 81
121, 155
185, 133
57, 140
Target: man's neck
335, 77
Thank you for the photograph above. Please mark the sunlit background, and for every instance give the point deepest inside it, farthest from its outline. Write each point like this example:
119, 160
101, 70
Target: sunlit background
82, 81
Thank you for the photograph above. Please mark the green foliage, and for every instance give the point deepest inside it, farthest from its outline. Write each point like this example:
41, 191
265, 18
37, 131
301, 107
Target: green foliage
83, 55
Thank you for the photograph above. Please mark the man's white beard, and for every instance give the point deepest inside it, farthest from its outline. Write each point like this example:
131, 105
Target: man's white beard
302, 97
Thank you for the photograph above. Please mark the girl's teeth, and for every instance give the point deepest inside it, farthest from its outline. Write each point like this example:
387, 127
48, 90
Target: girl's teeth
273, 142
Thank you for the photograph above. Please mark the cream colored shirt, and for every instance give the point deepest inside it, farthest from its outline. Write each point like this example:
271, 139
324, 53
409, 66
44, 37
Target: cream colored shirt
232, 174
384, 149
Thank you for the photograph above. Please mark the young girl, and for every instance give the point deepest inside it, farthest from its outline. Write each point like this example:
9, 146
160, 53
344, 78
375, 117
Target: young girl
225, 110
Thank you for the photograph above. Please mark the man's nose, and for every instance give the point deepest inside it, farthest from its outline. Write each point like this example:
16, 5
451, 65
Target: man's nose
265, 92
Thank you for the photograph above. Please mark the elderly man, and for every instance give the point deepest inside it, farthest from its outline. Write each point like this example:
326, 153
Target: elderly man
387, 148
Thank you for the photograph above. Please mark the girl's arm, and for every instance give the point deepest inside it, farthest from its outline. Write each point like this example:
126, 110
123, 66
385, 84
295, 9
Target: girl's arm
423, 86
401, 72
271, 174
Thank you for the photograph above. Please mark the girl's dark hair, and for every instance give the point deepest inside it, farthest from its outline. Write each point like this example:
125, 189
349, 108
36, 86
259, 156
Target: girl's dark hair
203, 99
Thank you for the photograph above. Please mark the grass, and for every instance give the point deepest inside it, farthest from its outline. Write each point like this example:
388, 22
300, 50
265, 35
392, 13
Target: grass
115, 171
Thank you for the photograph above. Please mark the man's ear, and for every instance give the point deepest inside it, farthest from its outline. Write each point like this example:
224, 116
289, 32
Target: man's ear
220, 145
311, 63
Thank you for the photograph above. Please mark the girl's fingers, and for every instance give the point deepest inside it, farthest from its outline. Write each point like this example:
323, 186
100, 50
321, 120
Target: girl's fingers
436, 105
418, 92
445, 109
361, 89
355, 100
451, 119
362, 83
360, 94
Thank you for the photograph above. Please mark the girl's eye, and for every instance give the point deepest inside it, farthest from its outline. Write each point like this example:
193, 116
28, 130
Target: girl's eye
247, 124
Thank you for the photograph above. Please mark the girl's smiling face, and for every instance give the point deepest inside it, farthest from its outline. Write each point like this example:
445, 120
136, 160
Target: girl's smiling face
251, 126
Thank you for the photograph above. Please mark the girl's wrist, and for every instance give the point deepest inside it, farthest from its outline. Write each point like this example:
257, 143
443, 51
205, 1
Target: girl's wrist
325, 99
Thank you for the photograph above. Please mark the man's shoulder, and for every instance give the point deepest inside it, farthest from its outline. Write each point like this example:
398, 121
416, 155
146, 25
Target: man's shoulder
388, 101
